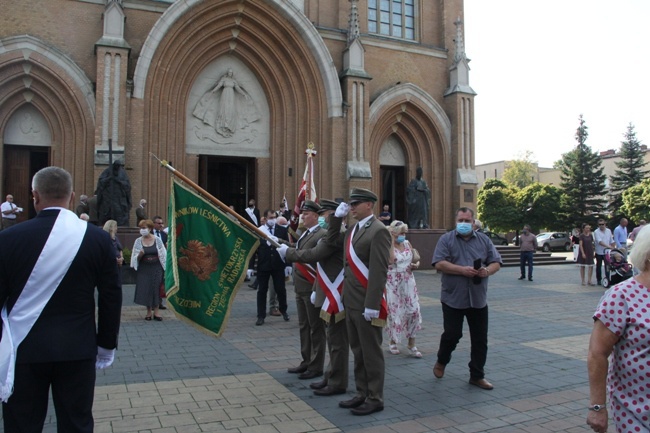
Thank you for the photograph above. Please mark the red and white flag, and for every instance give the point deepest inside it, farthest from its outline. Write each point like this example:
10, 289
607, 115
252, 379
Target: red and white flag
307, 189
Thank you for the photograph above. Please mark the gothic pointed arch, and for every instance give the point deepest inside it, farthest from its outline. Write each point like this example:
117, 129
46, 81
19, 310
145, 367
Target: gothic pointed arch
407, 114
265, 37
32, 72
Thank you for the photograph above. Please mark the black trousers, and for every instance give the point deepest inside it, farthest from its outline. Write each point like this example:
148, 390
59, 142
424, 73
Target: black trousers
73, 388
600, 258
477, 320
263, 287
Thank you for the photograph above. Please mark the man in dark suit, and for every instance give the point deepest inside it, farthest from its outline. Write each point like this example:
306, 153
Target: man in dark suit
271, 265
49, 268
367, 250
312, 329
140, 212
159, 229
252, 215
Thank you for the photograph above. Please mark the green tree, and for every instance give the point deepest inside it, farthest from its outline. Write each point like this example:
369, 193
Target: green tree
583, 181
540, 205
520, 173
636, 201
496, 206
630, 170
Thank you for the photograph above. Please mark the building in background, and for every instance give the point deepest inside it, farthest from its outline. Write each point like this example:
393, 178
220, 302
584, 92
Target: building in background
232, 91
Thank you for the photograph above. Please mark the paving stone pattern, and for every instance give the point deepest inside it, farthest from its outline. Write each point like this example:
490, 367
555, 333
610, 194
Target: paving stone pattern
170, 378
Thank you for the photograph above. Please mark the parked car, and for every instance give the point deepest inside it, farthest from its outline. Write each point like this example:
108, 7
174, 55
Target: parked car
553, 241
496, 239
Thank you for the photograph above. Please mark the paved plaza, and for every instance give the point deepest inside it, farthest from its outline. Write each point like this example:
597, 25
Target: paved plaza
170, 378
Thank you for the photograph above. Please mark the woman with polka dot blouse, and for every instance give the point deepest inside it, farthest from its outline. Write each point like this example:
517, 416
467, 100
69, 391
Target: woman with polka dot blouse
622, 328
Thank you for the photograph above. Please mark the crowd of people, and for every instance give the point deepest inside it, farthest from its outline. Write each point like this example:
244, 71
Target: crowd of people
353, 286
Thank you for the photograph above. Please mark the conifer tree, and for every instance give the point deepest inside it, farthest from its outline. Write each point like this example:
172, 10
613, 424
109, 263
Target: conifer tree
583, 181
630, 170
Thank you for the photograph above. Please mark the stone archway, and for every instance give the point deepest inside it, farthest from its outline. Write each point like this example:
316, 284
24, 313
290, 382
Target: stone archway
417, 121
277, 52
39, 76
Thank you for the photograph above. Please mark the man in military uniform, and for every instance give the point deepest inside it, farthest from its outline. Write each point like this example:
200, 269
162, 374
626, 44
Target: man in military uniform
367, 250
327, 299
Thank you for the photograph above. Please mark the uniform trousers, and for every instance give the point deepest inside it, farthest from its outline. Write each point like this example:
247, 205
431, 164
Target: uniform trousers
312, 333
73, 387
365, 342
339, 351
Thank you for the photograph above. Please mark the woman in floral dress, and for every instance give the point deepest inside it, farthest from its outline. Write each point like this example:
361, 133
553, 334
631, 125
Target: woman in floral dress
401, 293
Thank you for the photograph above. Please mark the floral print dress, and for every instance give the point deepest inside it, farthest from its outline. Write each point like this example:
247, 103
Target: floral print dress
402, 297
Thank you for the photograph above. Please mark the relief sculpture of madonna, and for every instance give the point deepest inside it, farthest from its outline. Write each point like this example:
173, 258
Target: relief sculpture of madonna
227, 110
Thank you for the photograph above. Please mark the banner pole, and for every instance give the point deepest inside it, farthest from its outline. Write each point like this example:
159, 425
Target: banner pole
217, 202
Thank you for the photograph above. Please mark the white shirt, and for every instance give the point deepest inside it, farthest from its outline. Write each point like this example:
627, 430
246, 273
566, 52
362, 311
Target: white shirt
5, 207
604, 236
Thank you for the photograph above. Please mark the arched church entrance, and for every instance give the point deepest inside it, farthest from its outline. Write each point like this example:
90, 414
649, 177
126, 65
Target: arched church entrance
230, 179
392, 163
27, 140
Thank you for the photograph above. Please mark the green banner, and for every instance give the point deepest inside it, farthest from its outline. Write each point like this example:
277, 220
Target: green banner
207, 259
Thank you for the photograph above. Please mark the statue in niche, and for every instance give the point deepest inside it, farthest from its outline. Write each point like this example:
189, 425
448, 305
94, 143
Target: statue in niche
226, 112
418, 197
114, 195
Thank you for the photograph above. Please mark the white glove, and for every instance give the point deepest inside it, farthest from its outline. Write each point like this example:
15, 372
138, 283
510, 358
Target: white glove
282, 250
312, 298
342, 210
104, 358
370, 314
274, 238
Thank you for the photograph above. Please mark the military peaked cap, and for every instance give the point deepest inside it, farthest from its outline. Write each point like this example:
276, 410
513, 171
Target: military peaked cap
326, 204
360, 194
310, 206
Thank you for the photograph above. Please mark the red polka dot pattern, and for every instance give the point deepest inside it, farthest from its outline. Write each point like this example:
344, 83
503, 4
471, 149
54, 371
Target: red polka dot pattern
625, 310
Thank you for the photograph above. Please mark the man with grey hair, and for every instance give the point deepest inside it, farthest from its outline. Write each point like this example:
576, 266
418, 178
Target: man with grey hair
83, 206
636, 230
49, 268
140, 212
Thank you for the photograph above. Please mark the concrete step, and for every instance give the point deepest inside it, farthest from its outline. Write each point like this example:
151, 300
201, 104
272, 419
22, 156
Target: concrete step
510, 257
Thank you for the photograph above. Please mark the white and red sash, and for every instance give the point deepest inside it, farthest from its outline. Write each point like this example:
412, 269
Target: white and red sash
307, 271
361, 272
332, 289
50, 268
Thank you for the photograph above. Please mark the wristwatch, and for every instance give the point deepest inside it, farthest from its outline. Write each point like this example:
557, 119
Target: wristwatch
597, 407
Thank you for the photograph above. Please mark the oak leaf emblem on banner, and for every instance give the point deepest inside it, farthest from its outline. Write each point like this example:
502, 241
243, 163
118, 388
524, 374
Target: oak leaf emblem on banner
199, 259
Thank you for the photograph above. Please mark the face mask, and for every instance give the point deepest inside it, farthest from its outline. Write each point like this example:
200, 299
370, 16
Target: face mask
322, 222
464, 228
251, 205
270, 222
401, 239
525, 232
144, 232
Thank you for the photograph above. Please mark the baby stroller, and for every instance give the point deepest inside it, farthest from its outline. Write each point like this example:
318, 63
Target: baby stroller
617, 268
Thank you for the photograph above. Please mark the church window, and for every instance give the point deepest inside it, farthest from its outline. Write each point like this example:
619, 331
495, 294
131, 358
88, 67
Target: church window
392, 18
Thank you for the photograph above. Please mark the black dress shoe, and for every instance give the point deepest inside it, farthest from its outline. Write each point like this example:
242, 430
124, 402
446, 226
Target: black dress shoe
162, 307
260, 321
318, 385
328, 390
367, 408
286, 317
310, 374
530, 278
521, 278
296, 370
352, 403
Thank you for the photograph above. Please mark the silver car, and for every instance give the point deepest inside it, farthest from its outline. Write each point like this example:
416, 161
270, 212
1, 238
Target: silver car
553, 241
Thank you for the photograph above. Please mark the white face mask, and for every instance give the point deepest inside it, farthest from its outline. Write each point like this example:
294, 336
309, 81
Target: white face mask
270, 222
144, 232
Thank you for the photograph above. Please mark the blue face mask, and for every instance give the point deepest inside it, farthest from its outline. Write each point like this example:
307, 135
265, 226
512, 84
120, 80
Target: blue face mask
464, 228
322, 222
400, 239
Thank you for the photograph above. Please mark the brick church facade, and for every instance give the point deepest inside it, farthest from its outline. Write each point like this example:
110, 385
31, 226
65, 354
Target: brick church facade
232, 91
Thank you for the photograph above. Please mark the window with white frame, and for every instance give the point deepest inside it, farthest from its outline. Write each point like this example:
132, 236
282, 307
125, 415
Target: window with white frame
392, 18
